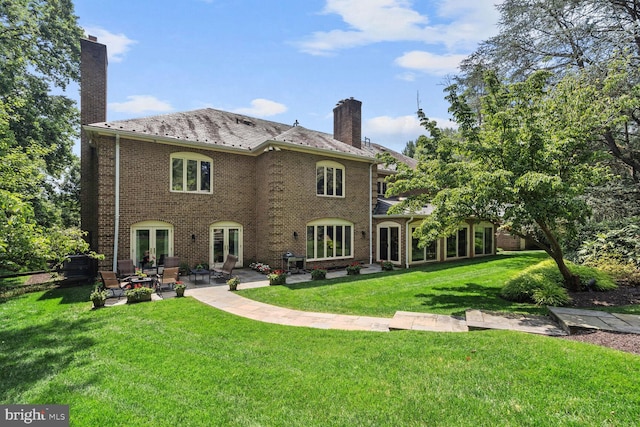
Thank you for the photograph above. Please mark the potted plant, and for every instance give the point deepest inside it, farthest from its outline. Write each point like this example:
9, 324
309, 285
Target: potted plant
277, 277
318, 273
179, 288
138, 294
353, 268
386, 265
233, 283
98, 297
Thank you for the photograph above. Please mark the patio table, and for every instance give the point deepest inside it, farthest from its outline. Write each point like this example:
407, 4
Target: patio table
142, 281
199, 271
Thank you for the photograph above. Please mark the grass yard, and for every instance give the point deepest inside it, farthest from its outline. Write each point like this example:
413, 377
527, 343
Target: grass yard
444, 288
181, 363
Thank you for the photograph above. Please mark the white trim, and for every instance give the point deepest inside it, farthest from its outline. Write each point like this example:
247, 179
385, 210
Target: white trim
336, 166
226, 226
185, 156
483, 225
389, 224
116, 219
468, 255
150, 225
330, 222
410, 248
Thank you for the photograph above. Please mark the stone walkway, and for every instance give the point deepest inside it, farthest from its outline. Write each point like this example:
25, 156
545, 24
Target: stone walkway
562, 321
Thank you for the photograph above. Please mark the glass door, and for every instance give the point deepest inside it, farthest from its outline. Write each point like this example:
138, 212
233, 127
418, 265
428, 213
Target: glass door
151, 243
389, 242
226, 239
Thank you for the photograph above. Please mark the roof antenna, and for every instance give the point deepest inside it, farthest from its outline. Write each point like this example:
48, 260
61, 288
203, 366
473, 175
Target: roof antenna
418, 99
296, 123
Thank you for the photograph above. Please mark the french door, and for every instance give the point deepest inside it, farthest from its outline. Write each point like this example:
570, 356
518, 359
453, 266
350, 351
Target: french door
226, 239
152, 238
389, 242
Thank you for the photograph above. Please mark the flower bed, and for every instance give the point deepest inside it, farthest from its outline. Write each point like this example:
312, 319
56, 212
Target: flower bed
138, 294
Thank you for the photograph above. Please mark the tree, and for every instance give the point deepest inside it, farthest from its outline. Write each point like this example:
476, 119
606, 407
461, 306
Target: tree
39, 56
526, 165
409, 150
563, 36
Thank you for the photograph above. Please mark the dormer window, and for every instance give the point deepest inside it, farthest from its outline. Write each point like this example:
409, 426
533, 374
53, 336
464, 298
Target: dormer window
329, 179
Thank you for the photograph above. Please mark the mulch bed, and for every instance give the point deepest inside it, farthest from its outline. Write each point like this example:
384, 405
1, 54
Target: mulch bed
624, 295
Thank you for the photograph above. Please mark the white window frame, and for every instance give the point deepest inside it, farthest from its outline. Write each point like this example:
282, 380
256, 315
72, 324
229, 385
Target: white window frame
482, 226
412, 228
329, 222
446, 243
185, 157
326, 164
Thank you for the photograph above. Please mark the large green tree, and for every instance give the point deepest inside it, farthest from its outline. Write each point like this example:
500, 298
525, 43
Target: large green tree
525, 165
39, 57
563, 36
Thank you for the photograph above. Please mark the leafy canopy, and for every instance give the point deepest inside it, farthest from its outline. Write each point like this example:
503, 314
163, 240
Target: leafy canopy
525, 163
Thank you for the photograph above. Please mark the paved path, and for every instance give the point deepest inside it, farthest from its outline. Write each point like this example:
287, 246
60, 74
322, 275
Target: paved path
562, 321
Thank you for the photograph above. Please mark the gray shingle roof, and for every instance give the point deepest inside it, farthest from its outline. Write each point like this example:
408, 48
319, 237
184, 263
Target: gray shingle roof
227, 129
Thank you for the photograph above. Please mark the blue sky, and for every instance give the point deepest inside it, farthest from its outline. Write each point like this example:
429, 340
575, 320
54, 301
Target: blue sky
288, 60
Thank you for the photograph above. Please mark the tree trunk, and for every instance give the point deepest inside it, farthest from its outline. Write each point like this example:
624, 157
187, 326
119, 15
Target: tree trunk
571, 281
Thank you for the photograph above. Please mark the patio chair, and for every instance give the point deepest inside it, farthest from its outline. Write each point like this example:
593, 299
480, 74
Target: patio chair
168, 278
111, 283
226, 269
126, 268
171, 261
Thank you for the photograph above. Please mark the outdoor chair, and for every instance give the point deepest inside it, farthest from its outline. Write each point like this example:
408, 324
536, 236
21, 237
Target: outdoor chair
171, 261
111, 283
226, 269
126, 268
168, 278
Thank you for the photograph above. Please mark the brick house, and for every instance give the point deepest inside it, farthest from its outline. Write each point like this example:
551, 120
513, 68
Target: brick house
206, 183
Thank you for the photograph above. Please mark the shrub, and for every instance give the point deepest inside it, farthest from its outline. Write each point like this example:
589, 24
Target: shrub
543, 282
551, 294
318, 273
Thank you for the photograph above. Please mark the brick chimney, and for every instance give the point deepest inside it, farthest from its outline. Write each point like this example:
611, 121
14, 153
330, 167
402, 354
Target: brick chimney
347, 122
93, 109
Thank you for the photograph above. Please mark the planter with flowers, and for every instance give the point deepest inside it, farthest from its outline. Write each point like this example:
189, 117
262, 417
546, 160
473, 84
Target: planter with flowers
277, 277
353, 268
98, 297
233, 283
179, 287
386, 265
138, 294
318, 273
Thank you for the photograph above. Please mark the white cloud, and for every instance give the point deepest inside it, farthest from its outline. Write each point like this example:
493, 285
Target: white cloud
137, 104
457, 24
117, 44
261, 107
395, 132
430, 63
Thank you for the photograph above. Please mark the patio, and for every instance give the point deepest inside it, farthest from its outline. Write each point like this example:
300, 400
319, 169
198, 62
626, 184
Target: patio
248, 279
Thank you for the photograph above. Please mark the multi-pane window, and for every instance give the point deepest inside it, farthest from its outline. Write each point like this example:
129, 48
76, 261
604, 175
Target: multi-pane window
426, 253
382, 187
329, 179
328, 239
190, 172
457, 243
483, 239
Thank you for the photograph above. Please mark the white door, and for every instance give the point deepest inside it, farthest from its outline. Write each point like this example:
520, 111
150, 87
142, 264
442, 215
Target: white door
153, 238
226, 239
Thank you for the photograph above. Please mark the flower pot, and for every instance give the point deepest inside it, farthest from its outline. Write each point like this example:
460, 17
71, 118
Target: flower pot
139, 298
98, 303
233, 287
352, 272
179, 292
280, 280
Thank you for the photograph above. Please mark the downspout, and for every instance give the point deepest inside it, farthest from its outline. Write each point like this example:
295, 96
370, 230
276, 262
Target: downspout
407, 240
371, 213
116, 227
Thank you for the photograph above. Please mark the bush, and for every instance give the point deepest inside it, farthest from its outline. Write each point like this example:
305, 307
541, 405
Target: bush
551, 294
542, 283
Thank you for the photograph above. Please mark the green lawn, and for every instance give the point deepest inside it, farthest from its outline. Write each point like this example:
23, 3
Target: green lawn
182, 363
444, 288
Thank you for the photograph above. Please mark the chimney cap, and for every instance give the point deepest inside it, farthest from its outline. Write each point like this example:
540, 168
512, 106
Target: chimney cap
93, 38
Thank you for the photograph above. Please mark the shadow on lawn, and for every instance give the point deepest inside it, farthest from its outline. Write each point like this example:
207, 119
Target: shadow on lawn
473, 296
40, 351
